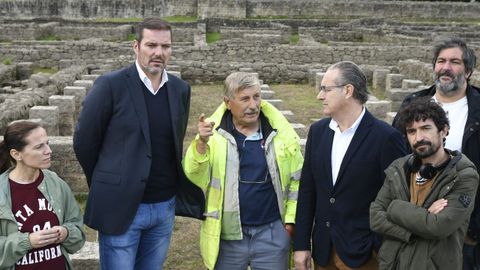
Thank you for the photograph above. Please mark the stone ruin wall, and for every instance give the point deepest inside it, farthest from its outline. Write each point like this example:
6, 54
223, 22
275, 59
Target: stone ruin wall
277, 63
384, 50
234, 8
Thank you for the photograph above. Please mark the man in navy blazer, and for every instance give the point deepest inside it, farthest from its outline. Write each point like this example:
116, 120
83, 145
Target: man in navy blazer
129, 141
345, 158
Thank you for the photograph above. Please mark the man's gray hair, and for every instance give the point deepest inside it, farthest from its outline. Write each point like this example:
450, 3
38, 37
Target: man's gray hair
238, 81
350, 73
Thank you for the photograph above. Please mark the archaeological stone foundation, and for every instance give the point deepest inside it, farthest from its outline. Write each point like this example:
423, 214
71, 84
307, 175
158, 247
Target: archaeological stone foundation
280, 41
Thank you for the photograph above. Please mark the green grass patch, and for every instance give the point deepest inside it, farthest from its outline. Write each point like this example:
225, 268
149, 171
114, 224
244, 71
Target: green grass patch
376, 92
81, 198
174, 19
118, 20
51, 70
49, 37
301, 99
131, 37
7, 61
213, 37
294, 39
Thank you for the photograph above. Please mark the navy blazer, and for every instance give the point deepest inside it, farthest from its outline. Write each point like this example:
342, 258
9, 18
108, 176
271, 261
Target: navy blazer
339, 214
112, 144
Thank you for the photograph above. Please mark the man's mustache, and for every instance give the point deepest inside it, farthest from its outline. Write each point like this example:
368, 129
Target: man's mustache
446, 73
420, 143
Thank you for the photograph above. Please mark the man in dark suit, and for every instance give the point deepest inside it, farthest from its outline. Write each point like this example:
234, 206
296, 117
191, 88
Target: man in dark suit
129, 140
345, 157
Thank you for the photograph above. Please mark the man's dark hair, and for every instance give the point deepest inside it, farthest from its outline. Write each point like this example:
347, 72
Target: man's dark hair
151, 24
350, 73
468, 55
421, 109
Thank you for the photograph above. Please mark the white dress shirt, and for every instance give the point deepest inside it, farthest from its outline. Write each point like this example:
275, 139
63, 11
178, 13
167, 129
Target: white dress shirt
341, 141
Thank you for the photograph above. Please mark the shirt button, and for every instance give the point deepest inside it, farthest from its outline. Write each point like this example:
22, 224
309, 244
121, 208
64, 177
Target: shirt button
327, 224
332, 200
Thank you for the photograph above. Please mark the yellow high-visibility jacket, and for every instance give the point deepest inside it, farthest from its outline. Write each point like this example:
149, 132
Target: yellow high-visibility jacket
216, 172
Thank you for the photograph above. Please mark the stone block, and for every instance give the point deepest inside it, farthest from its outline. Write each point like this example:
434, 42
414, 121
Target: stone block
84, 83
379, 108
49, 116
79, 93
65, 164
264, 87
398, 94
396, 105
98, 71
24, 70
393, 81
65, 63
411, 84
38, 80
379, 78
246, 69
390, 117
318, 80
175, 73
289, 115
8, 73
368, 71
255, 74
267, 94
174, 68
66, 113
90, 77
107, 67
87, 258
303, 142
301, 129
278, 103
312, 76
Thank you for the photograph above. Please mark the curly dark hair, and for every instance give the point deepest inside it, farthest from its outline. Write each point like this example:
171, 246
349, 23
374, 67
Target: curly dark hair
419, 109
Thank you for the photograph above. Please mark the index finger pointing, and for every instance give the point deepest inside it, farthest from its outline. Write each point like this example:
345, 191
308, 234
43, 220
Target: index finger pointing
201, 118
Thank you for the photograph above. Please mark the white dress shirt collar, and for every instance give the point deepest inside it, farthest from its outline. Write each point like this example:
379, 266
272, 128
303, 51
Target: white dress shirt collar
146, 81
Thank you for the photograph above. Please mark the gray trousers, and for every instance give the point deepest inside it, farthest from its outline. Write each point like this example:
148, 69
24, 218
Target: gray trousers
264, 247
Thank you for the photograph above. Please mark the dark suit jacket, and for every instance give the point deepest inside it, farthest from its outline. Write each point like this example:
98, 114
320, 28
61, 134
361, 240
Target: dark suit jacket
339, 214
112, 144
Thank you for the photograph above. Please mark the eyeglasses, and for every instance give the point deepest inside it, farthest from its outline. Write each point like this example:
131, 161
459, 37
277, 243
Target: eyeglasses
327, 89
